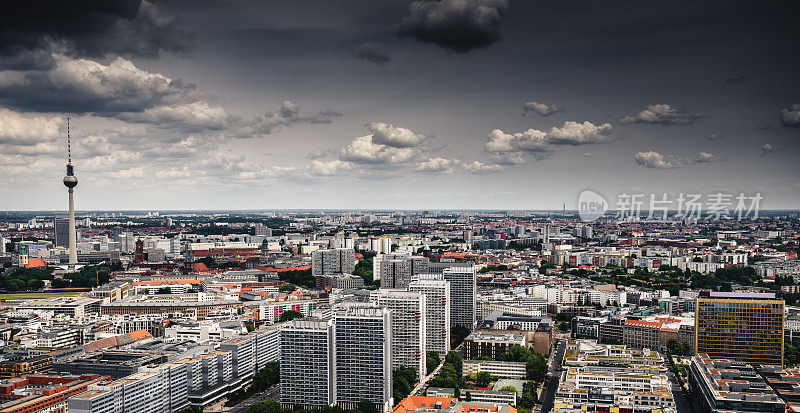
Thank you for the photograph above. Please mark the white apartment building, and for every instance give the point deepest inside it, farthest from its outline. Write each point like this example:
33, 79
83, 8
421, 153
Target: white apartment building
243, 356
408, 323
306, 352
463, 290
362, 356
437, 311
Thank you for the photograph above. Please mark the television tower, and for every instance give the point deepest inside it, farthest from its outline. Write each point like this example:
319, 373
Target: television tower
70, 181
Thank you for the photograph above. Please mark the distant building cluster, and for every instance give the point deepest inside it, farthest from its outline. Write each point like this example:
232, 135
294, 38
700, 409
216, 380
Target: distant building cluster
168, 311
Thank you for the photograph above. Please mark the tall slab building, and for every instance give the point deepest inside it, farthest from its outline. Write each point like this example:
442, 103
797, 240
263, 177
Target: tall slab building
740, 326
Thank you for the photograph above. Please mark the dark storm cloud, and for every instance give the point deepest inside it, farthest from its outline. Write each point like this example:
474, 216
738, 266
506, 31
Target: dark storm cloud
92, 28
27, 60
790, 117
83, 86
456, 25
371, 51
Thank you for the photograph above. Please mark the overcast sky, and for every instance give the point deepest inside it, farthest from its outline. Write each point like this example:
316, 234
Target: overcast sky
498, 104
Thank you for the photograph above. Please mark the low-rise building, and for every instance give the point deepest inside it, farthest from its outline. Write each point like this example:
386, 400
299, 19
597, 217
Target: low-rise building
728, 385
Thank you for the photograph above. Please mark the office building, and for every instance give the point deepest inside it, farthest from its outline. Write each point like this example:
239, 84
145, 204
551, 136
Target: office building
362, 356
396, 271
437, 311
61, 232
333, 261
409, 321
724, 385
306, 352
740, 326
463, 289
489, 344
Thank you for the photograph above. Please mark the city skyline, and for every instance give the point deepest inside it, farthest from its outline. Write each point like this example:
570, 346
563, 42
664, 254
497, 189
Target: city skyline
311, 106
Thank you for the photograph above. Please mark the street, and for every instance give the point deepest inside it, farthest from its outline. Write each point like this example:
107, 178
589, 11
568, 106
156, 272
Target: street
681, 401
553, 374
271, 393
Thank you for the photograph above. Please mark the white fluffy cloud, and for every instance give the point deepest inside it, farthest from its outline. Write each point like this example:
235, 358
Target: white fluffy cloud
364, 150
574, 133
507, 148
394, 136
662, 114
542, 109
19, 129
478, 167
438, 165
330, 168
655, 160
791, 116
705, 157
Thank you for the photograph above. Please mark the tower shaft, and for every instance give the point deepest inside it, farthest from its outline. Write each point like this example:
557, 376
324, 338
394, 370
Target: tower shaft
73, 242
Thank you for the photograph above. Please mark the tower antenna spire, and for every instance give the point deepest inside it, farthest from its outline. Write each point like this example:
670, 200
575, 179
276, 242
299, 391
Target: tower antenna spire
69, 144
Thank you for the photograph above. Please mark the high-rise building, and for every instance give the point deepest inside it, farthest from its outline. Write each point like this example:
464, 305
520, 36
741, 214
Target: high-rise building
3, 242
70, 181
382, 245
362, 356
333, 261
307, 377
463, 289
242, 350
740, 326
127, 241
397, 270
61, 232
261, 229
437, 311
409, 326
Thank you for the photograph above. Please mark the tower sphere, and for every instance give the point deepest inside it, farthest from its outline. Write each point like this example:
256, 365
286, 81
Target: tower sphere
70, 181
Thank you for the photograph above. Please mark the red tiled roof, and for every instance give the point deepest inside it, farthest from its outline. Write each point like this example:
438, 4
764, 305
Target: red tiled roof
412, 403
35, 263
270, 269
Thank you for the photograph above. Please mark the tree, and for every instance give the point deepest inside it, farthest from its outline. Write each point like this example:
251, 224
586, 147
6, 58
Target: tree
366, 406
364, 270
287, 288
299, 277
454, 359
403, 381
457, 335
791, 355
529, 397
509, 388
468, 396
536, 368
483, 378
432, 361
676, 347
290, 315
164, 290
